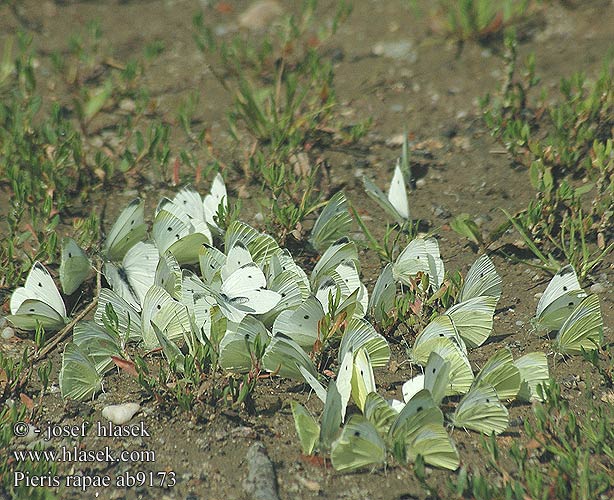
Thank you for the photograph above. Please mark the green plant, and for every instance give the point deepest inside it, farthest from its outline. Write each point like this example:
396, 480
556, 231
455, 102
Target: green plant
560, 144
283, 103
479, 19
565, 456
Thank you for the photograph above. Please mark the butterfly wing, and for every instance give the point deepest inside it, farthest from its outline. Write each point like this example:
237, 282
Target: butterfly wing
379, 413
382, 299
237, 256
384, 201
363, 380
533, 368
97, 342
482, 279
583, 330
411, 261
210, 260
244, 293
39, 285
397, 193
307, 428
360, 334
79, 379
561, 296
301, 325
75, 266
473, 319
359, 445
283, 356
38, 300
168, 275
333, 223
480, 410
238, 344
417, 412
461, 374
437, 377
261, 246
344, 381
341, 250
217, 195
434, 444
128, 318
501, 373
412, 387
33, 311
129, 228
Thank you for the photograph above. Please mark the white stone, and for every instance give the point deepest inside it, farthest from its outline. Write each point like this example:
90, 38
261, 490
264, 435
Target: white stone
8, 333
120, 414
260, 14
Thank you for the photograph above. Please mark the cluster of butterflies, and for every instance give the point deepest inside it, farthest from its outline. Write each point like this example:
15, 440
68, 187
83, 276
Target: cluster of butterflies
254, 288
415, 426
193, 282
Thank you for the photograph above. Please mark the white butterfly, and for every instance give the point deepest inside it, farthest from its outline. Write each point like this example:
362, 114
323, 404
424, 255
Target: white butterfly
480, 410
420, 255
582, 330
384, 293
333, 223
482, 279
244, 292
237, 344
345, 281
38, 301
217, 195
261, 246
75, 266
395, 204
129, 229
188, 206
135, 275
561, 296
341, 250
301, 324
178, 236
79, 378
436, 379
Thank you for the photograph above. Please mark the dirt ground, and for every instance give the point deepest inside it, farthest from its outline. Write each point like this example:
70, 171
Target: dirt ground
431, 91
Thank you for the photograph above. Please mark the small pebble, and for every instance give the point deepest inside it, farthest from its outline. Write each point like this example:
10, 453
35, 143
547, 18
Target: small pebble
420, 183
598, 288
32, 434
519, 323
8, 333
260, 14
120, 414
399, 50
127, 105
